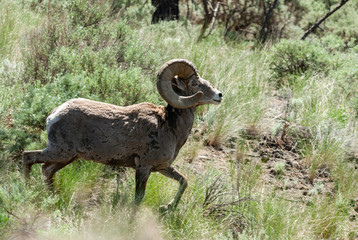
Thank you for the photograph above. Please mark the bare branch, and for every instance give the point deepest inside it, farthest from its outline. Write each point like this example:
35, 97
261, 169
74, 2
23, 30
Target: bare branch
206, 20
215, 13
316, 25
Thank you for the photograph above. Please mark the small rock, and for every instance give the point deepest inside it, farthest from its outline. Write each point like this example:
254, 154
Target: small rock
289, 185
289, 163
295, 164
301, 186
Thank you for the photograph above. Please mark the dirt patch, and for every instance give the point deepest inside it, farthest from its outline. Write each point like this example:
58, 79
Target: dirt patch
285, 170
208, 156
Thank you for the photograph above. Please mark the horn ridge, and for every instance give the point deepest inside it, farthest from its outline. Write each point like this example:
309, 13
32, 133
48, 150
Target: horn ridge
183, 69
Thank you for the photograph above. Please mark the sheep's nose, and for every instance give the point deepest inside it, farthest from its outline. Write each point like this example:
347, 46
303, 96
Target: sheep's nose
220, 95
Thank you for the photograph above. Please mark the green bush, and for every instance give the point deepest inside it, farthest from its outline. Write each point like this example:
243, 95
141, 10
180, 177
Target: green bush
87, 13
297, 58
36, 105
12, 144
71, 42
345, 76
354, 103
333, 43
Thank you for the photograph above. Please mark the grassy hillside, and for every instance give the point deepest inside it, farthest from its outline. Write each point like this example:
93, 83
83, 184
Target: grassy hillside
277, 159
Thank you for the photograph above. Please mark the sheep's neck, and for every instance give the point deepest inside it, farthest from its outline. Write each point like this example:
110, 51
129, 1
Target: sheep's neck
181, 121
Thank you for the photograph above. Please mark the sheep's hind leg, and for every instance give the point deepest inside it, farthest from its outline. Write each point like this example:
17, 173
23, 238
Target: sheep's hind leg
49, 170
28, 159
52, 160
174, 174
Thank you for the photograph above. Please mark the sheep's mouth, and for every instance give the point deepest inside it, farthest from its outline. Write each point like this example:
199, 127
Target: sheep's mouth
217, 101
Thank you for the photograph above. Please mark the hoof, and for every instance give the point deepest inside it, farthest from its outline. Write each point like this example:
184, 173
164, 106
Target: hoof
27, 170
167, 208
164, 209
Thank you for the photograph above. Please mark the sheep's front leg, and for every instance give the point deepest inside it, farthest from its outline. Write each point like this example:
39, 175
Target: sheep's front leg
174, 174
141, 177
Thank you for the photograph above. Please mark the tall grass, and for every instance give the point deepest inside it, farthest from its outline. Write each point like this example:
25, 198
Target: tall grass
15, 20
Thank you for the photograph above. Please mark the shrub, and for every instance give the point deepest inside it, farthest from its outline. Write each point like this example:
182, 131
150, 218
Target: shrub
296, 58
333, 43
36, 105
67, 44
354, 103
87, 13
345, 75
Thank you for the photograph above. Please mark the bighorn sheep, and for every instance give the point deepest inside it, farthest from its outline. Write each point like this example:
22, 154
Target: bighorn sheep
143, 136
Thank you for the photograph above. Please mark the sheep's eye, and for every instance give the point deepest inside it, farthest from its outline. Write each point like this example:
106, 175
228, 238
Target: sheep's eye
194, 84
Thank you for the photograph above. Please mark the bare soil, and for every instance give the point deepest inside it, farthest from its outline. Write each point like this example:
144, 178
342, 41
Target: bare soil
283, 169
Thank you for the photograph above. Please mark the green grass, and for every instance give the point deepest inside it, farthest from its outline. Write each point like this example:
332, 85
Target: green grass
45, 61
15, 20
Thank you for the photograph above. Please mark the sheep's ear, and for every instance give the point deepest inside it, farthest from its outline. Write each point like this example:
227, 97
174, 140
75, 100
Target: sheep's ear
177, 82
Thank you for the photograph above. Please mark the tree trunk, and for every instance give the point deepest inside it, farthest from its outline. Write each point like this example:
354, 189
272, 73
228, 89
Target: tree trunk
166, 10
265, 31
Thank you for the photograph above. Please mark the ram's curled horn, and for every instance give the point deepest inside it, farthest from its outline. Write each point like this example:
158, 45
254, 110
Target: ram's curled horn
183, 69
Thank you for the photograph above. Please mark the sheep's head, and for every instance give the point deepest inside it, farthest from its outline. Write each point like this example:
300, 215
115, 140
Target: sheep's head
181, 86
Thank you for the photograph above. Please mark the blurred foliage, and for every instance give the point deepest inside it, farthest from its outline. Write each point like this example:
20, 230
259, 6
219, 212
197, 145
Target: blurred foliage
248, 19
